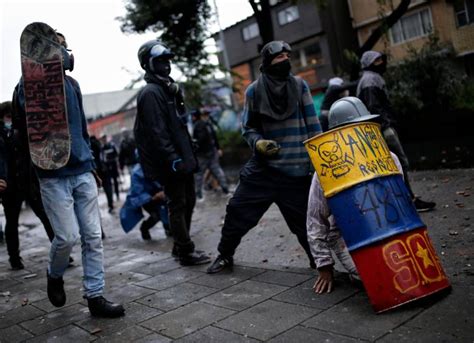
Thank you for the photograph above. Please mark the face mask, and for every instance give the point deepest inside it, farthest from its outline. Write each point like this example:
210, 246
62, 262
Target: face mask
160, 67
7, 125
68, 59
280, 69
380, 69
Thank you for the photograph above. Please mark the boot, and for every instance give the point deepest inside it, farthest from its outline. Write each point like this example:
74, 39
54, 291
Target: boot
16, 263
56, 294
101, 307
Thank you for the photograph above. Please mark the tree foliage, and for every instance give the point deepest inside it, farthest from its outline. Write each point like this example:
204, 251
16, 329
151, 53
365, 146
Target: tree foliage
426, 83
180, 24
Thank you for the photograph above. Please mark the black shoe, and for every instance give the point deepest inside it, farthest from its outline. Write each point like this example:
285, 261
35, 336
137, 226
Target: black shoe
220, 264
194, 259
56, 293
101, 307
423, 206
16, 263
145, 233
71, 262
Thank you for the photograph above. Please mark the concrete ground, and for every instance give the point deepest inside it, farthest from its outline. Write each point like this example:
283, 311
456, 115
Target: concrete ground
268, 297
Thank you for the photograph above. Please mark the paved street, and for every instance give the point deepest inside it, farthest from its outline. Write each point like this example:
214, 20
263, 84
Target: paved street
268, 297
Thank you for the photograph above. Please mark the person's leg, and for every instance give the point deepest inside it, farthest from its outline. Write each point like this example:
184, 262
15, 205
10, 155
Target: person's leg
38, 209
154, 210
58, 202
116, 185
190, 197
86, 209
217, 171
395, 146
244, 210
199, 176
293, 204
107, 184
12, 207
175, 190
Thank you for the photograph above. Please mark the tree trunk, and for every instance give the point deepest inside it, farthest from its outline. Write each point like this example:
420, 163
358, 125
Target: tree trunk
264, 20
384, 26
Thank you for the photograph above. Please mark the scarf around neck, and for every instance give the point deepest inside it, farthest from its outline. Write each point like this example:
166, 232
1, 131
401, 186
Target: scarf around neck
275, 97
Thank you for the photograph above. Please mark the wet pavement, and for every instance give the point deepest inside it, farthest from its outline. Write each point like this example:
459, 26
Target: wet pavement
267, 297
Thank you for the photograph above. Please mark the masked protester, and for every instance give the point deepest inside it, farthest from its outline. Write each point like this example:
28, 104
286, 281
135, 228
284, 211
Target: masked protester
165, 147
372, 91
69, 196
278, 116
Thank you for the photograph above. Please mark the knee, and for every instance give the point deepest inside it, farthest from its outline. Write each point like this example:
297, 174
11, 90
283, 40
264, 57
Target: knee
66, 241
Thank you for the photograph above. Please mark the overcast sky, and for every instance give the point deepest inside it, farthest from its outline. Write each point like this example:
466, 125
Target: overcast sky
102, 52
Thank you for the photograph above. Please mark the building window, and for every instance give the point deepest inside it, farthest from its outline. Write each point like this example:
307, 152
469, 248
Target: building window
288, 15
307, 56
250, 31
464, 12
412, 26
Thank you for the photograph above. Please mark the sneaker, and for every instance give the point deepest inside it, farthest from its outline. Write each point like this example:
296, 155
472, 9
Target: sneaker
101, 307
16, 263
423, 206
145, 233
220, 264
56, 294
194, 259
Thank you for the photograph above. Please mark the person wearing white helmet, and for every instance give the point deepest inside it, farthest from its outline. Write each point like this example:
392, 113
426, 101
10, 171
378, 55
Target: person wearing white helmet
324, 236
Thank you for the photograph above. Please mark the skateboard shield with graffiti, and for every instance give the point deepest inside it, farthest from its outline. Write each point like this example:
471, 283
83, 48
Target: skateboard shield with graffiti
45, 101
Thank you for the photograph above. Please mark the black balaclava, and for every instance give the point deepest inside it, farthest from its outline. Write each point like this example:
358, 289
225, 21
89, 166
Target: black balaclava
276, 90
161, 67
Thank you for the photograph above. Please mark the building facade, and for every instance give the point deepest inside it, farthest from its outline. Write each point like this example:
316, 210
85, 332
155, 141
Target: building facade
318, 38
451, 20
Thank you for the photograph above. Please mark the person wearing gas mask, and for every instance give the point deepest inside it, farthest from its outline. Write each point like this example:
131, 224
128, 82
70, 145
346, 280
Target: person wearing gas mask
165, 147
372, 90
278, 116
69, 196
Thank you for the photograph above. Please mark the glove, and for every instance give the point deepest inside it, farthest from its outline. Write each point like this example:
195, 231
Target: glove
177, 165
267, 147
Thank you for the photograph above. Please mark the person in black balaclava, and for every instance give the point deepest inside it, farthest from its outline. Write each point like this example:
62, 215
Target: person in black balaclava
278, 116
165, 148
373, 93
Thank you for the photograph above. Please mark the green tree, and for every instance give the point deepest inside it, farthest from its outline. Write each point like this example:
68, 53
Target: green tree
180, 24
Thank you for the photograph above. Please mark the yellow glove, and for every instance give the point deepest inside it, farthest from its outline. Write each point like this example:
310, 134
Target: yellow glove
267, 147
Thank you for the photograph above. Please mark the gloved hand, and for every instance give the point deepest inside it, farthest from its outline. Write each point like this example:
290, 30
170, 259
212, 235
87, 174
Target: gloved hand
177, 165
267, 147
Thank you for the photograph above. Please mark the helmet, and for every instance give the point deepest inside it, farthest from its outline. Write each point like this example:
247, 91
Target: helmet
151, 49
273, 49
348, 110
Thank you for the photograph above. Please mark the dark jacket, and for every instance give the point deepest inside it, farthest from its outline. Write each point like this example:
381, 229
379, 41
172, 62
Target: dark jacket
160, 134
80, 159
372, 91
127, 152
3, 156
205, 137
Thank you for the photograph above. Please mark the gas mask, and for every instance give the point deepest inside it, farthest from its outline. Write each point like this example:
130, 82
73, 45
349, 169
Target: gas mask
68, 59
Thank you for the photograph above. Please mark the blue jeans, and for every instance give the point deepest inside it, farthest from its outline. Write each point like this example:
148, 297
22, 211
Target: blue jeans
71, 205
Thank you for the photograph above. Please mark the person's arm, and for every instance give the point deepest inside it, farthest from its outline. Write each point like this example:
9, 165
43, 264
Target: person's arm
251, 127
376, 101
318, 230
3, 165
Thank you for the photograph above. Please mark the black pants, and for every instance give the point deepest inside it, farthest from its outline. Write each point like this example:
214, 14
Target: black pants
154, 210
181, 200
252, 198
12, 202
107, 184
